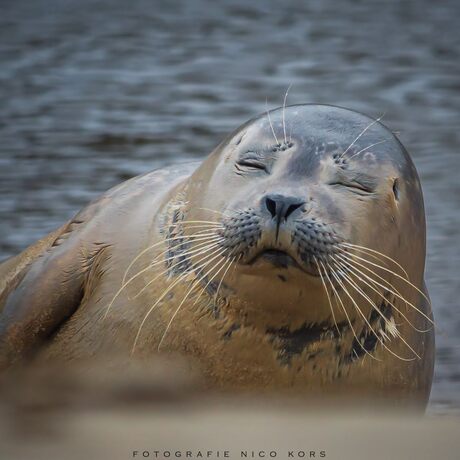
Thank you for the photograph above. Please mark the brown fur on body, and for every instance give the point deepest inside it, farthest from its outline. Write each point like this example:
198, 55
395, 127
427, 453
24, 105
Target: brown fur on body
268, 327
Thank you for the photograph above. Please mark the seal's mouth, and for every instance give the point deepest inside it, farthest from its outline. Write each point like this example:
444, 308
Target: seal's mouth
276, 257
279, 259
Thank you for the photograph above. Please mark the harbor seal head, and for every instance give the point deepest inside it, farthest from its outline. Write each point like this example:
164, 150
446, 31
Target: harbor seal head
321, 216
297, 190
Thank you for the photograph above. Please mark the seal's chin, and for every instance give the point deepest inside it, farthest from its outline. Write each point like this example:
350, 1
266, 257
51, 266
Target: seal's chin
279, 259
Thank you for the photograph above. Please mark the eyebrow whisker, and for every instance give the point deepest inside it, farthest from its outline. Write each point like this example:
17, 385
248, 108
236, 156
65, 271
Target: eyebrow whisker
271, 124
368, 147
284, 110
361, 134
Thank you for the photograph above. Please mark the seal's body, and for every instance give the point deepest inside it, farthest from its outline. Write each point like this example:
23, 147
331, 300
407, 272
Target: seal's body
291, 258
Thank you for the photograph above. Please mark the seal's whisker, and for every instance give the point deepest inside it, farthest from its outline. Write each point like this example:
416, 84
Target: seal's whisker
189, 226
377, 336
227, 264
203, 245
137, 258
346, 250
180, 234
284, 111
237, 260
368, 147
195, 283
199, 233
207, 241
337, 297
165, 292
203, 250
393, 273
353, 271
218, 212
389, 287
394, 331
365, 249
233, 259
195, 250
345, 257
153, 246
346, 275
198, 236
195, 238
271, 124
327, 293
348, 279
361, 133
182, 222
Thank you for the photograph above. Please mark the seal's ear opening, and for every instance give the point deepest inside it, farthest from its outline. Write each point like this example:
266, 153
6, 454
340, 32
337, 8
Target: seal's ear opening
396, 189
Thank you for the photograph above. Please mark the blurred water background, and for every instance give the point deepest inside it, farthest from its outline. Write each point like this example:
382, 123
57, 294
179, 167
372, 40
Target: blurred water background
93, 92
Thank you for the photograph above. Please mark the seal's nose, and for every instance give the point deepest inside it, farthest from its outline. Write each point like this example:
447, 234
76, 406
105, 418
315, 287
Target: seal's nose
281, 207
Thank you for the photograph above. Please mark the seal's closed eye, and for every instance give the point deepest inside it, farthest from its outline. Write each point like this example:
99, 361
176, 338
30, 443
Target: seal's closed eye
252, 160
353, 185
358, 181
252, 163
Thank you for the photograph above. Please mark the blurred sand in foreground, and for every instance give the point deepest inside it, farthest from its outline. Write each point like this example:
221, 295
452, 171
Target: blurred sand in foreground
67, 412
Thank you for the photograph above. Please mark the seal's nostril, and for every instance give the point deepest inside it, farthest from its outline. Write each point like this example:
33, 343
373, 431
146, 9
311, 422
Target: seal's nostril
291, 208
271, 206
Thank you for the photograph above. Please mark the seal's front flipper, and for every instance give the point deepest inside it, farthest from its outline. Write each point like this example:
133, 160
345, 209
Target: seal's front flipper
40, 289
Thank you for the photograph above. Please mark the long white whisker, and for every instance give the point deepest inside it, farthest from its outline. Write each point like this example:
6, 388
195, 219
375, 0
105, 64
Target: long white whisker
182, 222
222, 279
270, 121
166, 240
204, 250
354, 271
368, 147
195, 224
327, 293
181, 278
393, 273
367, 322
375, 308
284, 110
195, 283
346, 313
347, 278
197, 248
365, 249
218, 212
234, 259
389, 288
207, 241
362, 132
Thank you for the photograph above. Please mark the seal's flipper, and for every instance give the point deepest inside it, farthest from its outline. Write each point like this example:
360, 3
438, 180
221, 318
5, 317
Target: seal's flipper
45, 284
39, 290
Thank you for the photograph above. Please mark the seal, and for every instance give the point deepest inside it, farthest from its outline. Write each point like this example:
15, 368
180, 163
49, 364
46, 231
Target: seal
291, 258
